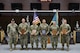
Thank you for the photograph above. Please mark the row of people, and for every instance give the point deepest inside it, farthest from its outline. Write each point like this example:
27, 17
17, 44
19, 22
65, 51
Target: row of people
13, 29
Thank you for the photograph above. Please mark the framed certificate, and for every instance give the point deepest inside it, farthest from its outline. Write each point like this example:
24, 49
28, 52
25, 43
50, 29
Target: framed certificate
23, 31
64, 31
54, 32
43, 32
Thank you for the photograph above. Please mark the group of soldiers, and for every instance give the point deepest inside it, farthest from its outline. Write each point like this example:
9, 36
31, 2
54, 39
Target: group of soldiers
13, 30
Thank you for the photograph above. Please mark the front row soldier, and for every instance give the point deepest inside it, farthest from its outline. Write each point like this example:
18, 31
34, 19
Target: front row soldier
34, 34
12, 31
54, 30
23, 31
65, 30
44, 29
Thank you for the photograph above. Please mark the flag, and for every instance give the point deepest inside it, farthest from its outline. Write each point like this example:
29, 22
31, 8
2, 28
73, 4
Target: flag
55, 18
36, 18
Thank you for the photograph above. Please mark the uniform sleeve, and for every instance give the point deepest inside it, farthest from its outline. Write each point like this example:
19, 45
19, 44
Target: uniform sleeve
47, 29
60, 28
50, 30
57, 29
69, 29
37, 31
40, 29
19, 28
26, 28
30, 30
8, 29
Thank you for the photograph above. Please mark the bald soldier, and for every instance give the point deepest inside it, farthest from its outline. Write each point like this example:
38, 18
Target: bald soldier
12, 31
34, 34
23, 31
65, 30
54, 30
44, 29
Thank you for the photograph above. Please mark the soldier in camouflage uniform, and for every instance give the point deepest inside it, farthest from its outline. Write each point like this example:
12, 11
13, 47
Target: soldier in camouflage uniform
65, 37
44, 29
12, 31
34, 34
54, 30
23, 31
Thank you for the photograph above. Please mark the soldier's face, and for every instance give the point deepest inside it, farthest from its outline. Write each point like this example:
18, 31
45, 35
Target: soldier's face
34, 23
12, 22
65, 22
43, 21
54, 23
23, 20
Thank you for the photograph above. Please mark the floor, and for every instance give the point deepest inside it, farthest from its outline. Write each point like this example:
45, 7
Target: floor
73, 49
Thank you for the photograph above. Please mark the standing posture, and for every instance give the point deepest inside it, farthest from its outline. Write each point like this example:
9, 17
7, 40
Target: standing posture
65, 30
23, 31
12, 31
34, 34
44, 29
54, 30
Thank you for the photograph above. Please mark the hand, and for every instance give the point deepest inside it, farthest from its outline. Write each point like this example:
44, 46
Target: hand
66, 32
41, 33
61, 32
24, 33
20, 33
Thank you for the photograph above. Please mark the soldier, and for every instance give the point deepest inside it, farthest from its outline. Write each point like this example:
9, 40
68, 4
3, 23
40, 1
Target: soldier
65, 30
34, 34
12, 31
23, 31
54, 30
44, 29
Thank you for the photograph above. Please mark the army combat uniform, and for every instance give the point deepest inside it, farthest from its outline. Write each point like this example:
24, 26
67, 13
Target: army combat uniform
34, 35
12, 31
23, 28
54, 30
65, 37
44, 29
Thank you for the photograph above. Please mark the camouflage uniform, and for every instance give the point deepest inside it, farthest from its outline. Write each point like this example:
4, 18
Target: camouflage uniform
34, 37
12, 31
44, 29
65, 37
23, 37
54, 38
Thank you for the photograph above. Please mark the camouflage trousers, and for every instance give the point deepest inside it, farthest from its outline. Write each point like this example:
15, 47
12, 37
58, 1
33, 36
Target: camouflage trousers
34, 39
65, 39
44, 41
24, 40
13, 40
54, 41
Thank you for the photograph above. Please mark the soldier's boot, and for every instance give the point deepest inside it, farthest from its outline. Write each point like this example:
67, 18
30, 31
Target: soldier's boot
63, 46
56, 47
53, 45
45, 46
22, 47
37, 45
10, 47
32, 45
68, 46
42, 46
26, 47
14, 47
